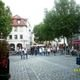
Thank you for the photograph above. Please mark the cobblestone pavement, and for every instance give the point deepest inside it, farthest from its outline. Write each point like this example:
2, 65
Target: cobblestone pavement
44, 68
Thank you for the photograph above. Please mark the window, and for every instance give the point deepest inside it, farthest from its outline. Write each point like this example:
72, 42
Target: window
21, 36
15, 29
29, 30
15, 36
10, 36
18, 21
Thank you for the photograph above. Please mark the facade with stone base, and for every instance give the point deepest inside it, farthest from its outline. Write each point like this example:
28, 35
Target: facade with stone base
20, 36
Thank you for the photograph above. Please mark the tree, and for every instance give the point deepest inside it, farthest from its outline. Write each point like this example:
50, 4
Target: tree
43, 32
5, 20
38, 32
67, 17
64, 19
49, 21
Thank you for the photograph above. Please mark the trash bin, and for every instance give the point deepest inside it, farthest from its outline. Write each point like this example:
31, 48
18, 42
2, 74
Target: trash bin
78, 60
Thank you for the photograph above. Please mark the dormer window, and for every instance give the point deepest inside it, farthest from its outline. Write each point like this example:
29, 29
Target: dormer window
18, 21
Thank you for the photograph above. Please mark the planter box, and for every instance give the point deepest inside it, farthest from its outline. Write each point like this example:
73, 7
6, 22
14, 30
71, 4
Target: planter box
4, 69
4, 60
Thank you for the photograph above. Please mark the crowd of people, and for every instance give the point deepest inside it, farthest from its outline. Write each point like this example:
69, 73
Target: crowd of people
23, 52
36, 50
44, 51
41, 50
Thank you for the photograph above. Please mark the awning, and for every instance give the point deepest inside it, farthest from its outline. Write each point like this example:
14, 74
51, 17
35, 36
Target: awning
76, 42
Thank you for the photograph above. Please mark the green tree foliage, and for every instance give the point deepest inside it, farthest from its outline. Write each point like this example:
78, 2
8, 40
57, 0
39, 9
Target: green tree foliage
63, 20
5, 20
43, 32
38, 31
50, 23
67, 17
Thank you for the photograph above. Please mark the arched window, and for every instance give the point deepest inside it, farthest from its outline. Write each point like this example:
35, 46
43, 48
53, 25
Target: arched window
19, 45
12, 47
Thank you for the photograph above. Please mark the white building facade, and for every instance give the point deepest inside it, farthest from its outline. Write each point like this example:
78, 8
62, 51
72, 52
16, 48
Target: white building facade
20, 36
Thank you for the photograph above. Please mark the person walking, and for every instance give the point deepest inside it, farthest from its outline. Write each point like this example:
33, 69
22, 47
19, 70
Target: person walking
22, 53
26, 53
40, 50
48, 50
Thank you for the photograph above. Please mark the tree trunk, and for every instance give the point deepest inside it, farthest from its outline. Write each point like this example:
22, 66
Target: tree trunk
64, 46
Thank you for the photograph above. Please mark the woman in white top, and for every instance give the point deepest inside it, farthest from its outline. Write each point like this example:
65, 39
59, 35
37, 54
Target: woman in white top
48, 50
40, 51
25, 53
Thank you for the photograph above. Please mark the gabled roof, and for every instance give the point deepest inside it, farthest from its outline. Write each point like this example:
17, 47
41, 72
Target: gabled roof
18, 21
16, 17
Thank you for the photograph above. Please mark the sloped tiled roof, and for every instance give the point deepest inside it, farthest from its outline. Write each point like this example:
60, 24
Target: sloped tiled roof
18, 21
16, 17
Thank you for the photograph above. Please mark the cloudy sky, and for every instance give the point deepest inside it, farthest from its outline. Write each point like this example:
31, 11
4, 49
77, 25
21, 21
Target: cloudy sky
33, 10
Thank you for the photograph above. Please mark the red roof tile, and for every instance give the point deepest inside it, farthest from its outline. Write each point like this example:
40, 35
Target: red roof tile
18, 21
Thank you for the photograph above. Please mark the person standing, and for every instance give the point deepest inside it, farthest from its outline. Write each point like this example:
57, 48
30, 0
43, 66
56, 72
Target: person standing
48, 50
26, 52
22, 53
40, 50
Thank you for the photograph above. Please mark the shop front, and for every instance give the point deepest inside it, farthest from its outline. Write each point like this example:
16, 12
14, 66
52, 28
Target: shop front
76, 44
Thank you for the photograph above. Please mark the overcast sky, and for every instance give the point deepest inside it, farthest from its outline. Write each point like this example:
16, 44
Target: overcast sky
33, 10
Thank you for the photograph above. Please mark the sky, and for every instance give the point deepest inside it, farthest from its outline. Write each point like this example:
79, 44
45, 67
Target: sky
33, 10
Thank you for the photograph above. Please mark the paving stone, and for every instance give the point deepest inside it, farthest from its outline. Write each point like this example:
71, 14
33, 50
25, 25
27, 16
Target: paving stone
44, 68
